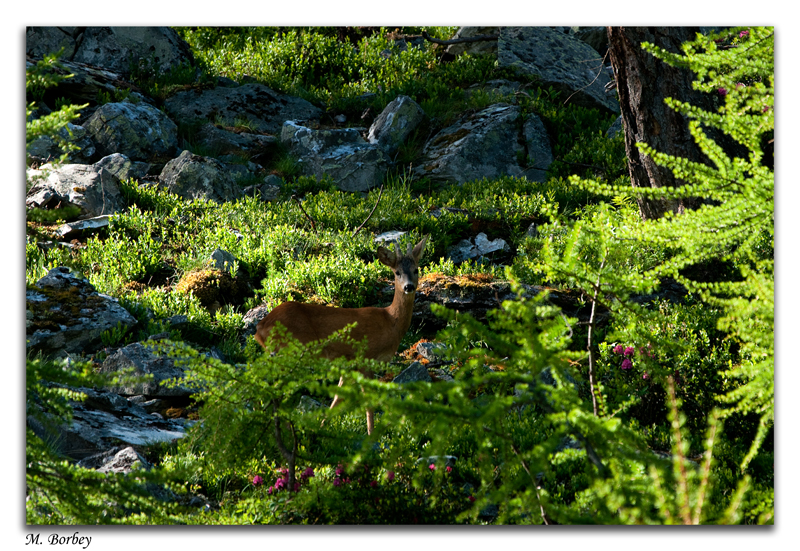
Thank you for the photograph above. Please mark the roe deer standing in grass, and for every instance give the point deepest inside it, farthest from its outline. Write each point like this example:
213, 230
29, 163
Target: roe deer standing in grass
383, 327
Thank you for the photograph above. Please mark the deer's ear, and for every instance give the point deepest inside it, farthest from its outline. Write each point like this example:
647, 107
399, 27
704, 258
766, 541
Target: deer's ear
417, 252
387, 257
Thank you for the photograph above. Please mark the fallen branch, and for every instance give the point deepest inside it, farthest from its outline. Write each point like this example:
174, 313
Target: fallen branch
313, 224
358, 229
480, 38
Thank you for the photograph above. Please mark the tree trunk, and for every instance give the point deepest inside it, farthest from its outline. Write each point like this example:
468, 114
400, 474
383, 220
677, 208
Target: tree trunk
642, 83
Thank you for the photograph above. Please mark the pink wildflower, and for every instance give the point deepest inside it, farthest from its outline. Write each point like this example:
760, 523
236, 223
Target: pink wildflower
308, 473
722, 91
280, 483
339, 470
627, 364
373, 483
471, 498
617, 349
449, 469
742, 34
432, 467
390, 476
645, 376
269, 490
628, 351
257, 481
337, 481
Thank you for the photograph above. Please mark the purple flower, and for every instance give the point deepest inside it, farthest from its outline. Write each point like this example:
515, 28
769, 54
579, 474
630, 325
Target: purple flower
390, 476
627, 364
742, 34
645, 376
269, 490
471, 498
373, 483
337, 481
257, 481
339, 470
280, 483
308, 473
628, 351
449, 469
722, 91
432, 467
617, 349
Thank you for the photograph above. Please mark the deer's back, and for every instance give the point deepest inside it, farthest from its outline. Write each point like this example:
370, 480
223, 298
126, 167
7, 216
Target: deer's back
311, 322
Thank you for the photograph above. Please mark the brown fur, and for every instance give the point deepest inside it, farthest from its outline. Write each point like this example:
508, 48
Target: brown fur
383, 327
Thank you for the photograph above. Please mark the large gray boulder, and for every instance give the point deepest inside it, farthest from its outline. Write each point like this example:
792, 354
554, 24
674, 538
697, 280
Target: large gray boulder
474, 48
93, 189
256, 105
139, 131
196, 177
485, 145
352, 163
40, 41
221, 143
122, 167
120, 49
559, 60
395, 123
539, 152
144, 361
64, 314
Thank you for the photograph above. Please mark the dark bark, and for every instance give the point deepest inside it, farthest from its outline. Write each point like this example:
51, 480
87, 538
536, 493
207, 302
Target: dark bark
643, 82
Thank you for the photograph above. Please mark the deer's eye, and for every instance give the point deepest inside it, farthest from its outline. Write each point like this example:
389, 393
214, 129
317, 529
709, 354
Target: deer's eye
397, 274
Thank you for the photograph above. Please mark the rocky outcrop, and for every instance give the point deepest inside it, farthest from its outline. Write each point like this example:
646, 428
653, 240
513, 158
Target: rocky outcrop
193, 177
64, 314
139, 131
343, 154
44, 149
93, 189
485, 145
254, 105
559, 60
118, 49
144, 361
395, 123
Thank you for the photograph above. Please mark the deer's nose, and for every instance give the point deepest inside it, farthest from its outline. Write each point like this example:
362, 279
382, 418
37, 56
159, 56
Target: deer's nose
409, 287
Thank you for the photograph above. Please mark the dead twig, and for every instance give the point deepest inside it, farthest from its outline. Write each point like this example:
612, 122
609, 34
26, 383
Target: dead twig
358, 229
313, 224
480, 38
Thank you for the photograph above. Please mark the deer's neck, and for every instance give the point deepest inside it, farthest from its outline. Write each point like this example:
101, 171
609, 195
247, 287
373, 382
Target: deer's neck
401, 309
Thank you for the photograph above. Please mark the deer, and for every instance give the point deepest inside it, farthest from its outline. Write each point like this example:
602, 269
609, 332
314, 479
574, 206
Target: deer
382, 327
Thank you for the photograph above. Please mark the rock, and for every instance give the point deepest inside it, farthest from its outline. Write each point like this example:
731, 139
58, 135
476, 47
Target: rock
144, 362
122, 167
559, 60
485, 145
342, 154
122, 461
428, 350
615, 128
219, 142
540, 154
395, 123
194, 177
120, 49
308, 403
500, 87
596, 37
95, 191
222, 260
466, 249
43, 149
389, 236
414, 373
139, 131
82, 226
474, 48
252, 317
94, 430
254, 104
68, 316
40, 41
